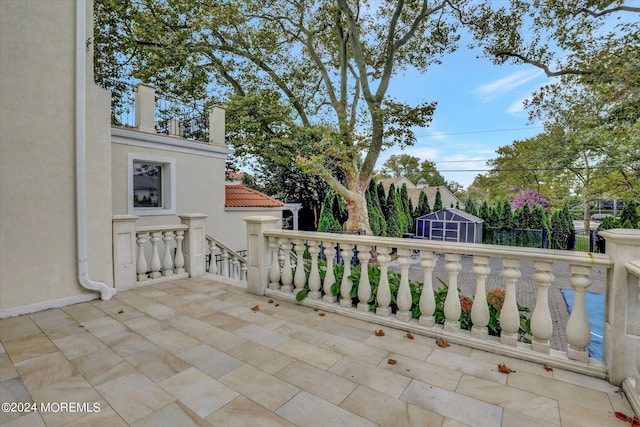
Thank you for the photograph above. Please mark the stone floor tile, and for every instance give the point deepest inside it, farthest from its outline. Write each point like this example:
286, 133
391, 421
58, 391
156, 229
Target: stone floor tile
261, 335
102, 366
379, 379
518, 401
343, 330
452, 405
103, 326
243, 412
466, 365
318, 382
77, 345
221, 339
121, 311
515, 418
355, 350
134, 396
28, 347
7, 370
193, 327
149, 292
517, 364
311, 411
224, 321
403, 346
582, 413
261, 357
44, 370
145, 325
159, 311
199, 392
304, 333
173, 340
107, 417
423, 371
13, 391
387, 411
83, 312
309, 353
174, 414
212, 362
156, 363
32, 419
259, 386
127, 343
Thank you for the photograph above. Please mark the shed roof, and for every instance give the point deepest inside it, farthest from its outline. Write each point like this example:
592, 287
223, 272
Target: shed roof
452, 214
239, 196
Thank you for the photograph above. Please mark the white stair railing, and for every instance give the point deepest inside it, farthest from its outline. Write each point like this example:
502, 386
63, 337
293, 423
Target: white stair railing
232, 264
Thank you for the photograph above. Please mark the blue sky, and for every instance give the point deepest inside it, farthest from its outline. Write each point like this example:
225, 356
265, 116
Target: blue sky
474, 96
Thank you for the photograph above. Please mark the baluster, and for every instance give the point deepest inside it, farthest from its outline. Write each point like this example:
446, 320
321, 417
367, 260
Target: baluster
213, 265
235, 268
224, 269
330, 276
274, 271
141, 265
541, 323
509, 315
427, 298
383, 297
243, 271
167, 261
403, 298
300, 277
480, 308
452, 309
155, 258
346, 284
578, 331
314, 273
364, 286
287, 273
179, 260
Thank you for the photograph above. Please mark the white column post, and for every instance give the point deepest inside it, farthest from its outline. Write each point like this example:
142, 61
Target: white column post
179, 261
314, 272
300, 276
330, 275
124, 252
346, 284
364, 287
274, 270
156, 236
541, 322
195, 242
403, 298
217, 126
167, 259
480, 308
384, 292
509, 315
258, 254
145, 107
452, 308
287, 273
427, 299
578, 330
141, 259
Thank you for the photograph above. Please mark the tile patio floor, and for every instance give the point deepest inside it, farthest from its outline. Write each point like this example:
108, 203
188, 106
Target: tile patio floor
193, 352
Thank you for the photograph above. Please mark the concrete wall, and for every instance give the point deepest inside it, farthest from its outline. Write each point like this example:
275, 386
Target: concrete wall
38, 262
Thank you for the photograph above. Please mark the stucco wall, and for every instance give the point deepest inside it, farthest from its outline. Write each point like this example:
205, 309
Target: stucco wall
236, 235
37, 157
199, 177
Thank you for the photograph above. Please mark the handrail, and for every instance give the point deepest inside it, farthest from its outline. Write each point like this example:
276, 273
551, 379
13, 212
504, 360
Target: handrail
548, 255
231, 252
149, 228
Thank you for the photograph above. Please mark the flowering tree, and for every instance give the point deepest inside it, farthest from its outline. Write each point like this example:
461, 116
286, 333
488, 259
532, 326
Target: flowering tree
530, 197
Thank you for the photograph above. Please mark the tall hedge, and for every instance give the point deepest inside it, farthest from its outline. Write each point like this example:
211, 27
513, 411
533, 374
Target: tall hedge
437, 204
327, 221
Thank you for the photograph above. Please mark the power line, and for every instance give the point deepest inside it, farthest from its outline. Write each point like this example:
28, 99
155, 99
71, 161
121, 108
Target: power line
528, 169
478, 131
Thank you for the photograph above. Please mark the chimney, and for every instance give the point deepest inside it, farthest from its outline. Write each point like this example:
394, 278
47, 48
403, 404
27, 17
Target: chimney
216, 126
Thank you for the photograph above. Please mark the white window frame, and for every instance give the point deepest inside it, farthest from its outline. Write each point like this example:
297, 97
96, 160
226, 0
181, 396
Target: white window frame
168, 184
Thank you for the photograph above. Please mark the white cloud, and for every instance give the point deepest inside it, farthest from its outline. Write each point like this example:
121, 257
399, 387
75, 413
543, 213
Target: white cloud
504, 85
516, 107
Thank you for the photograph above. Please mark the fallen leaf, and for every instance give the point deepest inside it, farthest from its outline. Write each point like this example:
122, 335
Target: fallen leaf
635, 421
121, 311
321, 314
442, 343
548, 368
409, 336
277, 305
504, 369
379, 333
270, 301
256, 308
392, 361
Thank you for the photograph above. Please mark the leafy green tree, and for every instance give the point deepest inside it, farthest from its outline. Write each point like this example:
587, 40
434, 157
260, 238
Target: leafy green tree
332, 61
410, 167
629, 214
327, 221
561, 228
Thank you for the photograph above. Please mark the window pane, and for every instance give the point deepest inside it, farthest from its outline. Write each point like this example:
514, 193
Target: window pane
147, 185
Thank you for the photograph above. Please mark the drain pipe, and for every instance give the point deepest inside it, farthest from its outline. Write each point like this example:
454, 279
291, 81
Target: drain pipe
81, 160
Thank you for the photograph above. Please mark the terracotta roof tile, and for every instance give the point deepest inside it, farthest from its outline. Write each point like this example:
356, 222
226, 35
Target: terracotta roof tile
239, 196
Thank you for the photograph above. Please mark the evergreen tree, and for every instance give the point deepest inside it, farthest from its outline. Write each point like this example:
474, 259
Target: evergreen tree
407, 210
437, 204
339, 209
629, 215
423, 206
382, 199
493, 219
376, 217
394, 227
483, 212
470, 207
506, 216
327, 222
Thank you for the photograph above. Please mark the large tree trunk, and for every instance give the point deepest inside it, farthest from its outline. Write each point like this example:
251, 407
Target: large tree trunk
358, 213
587, 215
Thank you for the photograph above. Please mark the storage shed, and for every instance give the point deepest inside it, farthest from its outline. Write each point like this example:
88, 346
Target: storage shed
450, 225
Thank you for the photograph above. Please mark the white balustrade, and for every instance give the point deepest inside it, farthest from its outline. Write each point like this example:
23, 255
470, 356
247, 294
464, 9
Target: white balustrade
346, 284
314, 273
300, 277
274, 270
155, 258
330, 275
384, 291
150, 267
167, 259
231, 265
541, 322
287, 273
141, 265
179, 259
224, 266
509, 315
480, 308
427, 299
403, 299
452, 308
578, 331
364, 286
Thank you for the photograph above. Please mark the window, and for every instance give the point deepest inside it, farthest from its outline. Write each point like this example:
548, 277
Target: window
151, 185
